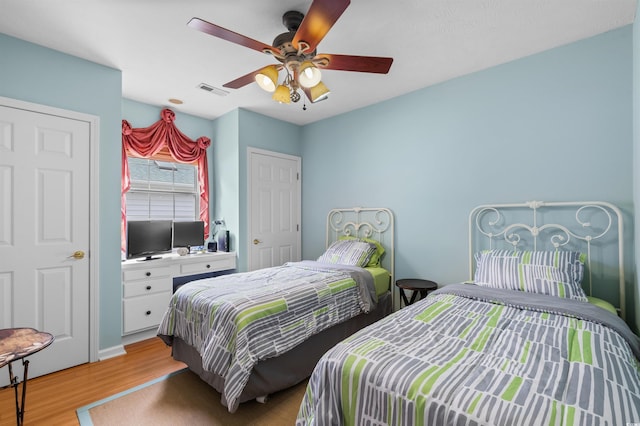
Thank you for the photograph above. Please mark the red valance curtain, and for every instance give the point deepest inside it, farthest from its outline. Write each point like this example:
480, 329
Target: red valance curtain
160, 136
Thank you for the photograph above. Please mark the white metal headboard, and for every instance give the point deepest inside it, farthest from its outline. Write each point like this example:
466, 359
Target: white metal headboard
366, 222
589, 227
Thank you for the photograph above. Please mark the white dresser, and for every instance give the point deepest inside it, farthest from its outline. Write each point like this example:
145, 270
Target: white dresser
147, 286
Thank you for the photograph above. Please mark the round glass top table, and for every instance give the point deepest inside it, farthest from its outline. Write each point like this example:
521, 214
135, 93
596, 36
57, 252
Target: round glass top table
17, 344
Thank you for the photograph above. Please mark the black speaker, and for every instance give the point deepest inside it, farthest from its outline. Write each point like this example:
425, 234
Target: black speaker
212, 246
223, 240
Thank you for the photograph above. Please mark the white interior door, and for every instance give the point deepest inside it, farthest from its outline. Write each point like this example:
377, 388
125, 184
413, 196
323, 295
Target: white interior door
274, 208
44, 220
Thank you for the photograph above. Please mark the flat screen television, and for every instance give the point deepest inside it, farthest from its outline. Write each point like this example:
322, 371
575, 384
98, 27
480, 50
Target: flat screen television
148, 238
188, 234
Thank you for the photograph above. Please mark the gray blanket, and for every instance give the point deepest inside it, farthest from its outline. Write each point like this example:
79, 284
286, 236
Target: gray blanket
236, 320
468, 355
544, 303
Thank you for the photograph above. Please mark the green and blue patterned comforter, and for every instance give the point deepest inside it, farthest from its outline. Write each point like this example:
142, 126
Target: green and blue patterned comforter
475, 356
236, 320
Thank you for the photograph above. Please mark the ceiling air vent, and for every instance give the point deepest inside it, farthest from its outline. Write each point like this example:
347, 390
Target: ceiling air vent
211, 89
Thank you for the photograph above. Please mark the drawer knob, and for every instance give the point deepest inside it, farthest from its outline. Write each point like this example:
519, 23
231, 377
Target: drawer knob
148, 312
148, 274
208, 266
148, 287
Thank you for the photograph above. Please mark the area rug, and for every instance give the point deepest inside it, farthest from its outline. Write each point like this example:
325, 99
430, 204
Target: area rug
182, 398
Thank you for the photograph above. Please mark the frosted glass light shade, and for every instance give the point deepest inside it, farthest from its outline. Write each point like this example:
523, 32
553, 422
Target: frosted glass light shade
282, 95
267, 78
308, 74
319, 92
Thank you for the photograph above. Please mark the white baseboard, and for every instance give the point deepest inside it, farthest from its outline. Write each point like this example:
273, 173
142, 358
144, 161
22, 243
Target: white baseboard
111, 352
142, 335
118, 350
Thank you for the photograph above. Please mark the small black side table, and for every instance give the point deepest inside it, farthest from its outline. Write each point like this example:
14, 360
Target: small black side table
418, 286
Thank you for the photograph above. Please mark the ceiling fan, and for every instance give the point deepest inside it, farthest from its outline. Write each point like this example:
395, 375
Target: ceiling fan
296, 52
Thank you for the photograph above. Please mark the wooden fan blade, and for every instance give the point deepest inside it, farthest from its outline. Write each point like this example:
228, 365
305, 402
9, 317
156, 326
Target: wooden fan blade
233, 37
242, 81
372, 64
318, 21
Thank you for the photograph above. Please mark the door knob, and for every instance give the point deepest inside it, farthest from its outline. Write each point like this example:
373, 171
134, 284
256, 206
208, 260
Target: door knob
256, 241
79, 254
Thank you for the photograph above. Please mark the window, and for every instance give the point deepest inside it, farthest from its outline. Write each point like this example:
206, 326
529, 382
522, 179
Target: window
162, 190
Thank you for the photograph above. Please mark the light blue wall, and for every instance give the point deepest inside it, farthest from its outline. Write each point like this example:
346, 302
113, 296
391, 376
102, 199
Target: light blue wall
258, 131
234, 133
36, 74
553, 126
139, 114
226, 174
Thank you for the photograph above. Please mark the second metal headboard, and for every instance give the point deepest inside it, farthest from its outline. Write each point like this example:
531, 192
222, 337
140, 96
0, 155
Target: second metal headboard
585, 226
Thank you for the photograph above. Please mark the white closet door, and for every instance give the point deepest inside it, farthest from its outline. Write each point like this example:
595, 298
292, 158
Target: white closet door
44, 220
274, 209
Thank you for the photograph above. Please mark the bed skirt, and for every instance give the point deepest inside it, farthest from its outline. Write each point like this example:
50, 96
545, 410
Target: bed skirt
288, 369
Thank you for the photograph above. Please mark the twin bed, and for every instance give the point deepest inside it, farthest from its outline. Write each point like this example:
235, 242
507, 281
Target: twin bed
520, 343
251, 334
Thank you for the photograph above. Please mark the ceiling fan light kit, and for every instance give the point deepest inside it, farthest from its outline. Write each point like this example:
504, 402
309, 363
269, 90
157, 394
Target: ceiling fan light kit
319, 92
267, 78
282, 95
296, 50
308, 74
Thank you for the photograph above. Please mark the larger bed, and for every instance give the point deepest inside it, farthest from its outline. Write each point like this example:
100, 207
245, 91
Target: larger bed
251, 334
521, 344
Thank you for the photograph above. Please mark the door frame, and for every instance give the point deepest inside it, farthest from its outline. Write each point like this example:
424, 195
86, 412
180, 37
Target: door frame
298, 160
94, 208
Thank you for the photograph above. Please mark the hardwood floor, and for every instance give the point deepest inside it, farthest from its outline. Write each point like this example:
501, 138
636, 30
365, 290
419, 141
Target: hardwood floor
54, 398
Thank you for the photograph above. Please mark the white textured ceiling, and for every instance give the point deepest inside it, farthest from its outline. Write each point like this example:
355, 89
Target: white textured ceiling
430, 40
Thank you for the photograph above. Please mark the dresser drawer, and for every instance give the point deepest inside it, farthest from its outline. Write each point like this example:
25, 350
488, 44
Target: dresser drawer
209, 265
138, 274
144, 312
148, 286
